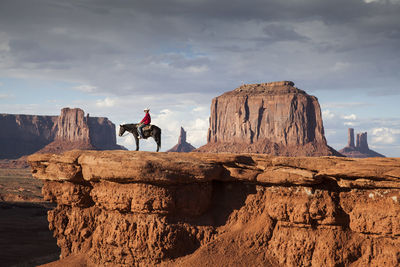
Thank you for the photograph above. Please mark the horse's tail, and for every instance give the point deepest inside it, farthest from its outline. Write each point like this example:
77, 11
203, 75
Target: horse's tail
159, 138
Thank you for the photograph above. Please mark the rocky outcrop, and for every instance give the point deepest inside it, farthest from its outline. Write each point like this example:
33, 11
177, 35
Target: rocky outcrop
26, 134
274, 118
350, 138
361, 149
182, 145
124, 208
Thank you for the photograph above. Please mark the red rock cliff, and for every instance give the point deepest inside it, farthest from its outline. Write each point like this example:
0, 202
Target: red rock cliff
275, 118
25, 134
125, 208
72, 126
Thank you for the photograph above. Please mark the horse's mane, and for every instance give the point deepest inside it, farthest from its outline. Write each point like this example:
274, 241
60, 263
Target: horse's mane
130, 126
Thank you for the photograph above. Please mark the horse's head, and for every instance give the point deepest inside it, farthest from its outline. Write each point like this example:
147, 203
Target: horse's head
121, 130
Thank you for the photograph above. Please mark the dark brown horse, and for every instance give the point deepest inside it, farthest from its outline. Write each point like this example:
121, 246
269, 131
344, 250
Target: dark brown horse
151, 131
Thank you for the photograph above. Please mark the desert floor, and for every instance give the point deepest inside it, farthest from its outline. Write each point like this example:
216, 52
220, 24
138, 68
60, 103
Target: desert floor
25, 239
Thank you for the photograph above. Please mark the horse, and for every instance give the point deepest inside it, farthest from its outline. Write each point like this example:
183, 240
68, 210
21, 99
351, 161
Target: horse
148, 131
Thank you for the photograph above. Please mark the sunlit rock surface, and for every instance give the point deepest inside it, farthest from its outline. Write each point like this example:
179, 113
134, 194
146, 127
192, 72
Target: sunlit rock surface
125, 208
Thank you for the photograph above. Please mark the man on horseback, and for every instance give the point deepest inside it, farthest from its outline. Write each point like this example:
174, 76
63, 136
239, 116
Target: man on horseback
145, 121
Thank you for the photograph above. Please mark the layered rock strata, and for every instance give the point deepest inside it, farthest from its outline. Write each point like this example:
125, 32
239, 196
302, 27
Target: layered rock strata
25, 134
183, 145
275, 118
360, 149
125, 208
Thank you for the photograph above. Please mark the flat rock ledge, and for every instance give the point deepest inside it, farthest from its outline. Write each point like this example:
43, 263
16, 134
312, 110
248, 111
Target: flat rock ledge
125, 208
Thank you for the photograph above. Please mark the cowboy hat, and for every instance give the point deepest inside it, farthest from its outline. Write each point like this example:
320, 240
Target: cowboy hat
146, 109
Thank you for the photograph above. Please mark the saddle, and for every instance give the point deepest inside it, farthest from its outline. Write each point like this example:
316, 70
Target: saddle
147, 127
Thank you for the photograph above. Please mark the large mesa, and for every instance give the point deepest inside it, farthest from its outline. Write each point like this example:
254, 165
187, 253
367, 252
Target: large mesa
275, 118
22, 135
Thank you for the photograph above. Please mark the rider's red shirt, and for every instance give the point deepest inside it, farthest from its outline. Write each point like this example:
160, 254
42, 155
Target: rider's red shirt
146, 119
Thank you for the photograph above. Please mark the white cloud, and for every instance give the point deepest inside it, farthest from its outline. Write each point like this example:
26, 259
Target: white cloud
330, 132
127, 141
327, 114
197, 132
349, 123
85, 88
199, 109
170, 121
4, 96
106, 102
352, 117
384, 135
4, 42
382, 1
341, 66
345, 104
197, 69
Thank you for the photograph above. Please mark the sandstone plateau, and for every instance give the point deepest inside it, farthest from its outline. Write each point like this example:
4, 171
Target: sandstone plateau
26, 134
274, 118
125, 208
360, 149
183, 145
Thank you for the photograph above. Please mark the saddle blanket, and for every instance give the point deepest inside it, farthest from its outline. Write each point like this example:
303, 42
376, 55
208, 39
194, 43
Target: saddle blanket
147, 127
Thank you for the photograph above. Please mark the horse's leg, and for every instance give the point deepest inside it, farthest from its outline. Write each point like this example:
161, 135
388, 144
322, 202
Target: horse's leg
157, 138
137, 142
158, 145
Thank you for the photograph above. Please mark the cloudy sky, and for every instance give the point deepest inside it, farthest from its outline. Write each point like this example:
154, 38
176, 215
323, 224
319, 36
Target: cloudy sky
114, 58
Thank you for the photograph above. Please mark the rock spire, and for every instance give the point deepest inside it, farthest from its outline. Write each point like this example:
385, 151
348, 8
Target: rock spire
182, 145
350, 142
360, 149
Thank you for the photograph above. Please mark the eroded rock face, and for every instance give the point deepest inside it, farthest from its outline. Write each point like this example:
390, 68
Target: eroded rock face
360, 149
72, 126
201, 209
26, 134
275, 118
183, 145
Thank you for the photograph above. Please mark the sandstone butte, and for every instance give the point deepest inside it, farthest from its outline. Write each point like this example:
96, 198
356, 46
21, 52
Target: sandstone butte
125, 208
273, 118
183, 145
360, 149
23, 135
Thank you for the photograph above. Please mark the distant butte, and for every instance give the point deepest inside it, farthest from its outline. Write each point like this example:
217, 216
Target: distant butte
360, 149
182, 145
273, 118
23, 135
